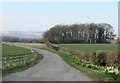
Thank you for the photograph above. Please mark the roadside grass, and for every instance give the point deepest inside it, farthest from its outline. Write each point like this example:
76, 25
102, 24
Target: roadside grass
95, 75
91, 47
14, 51
22, 67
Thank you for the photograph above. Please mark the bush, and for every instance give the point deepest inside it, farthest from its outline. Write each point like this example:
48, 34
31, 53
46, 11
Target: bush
94, 58
105, 58
101, 59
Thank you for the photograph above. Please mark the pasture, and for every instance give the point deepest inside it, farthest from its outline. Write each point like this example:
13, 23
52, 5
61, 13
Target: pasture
91, 47
13, 50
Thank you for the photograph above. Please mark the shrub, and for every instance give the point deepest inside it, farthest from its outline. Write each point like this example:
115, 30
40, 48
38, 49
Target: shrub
105, 58
94, 58
101, 59
109, 71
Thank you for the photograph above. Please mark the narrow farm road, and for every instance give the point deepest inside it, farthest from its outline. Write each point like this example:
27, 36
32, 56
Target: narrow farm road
50, 68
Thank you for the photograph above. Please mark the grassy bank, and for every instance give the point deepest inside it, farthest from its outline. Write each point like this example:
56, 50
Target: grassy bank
93, 74
17, 59
22, 67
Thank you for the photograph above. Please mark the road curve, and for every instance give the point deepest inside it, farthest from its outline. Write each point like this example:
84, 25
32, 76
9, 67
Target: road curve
50, 68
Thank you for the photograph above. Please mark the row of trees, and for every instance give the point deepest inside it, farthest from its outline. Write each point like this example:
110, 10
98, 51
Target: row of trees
16, 39
80, 33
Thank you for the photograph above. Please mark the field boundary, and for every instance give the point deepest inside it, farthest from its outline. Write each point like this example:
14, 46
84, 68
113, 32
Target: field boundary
108, 58
15, 63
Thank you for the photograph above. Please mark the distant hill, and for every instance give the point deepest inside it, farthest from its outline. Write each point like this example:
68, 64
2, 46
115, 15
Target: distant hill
18, 36
21, 34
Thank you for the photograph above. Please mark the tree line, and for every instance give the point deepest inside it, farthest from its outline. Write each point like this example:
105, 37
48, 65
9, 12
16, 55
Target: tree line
80, 33
17, 39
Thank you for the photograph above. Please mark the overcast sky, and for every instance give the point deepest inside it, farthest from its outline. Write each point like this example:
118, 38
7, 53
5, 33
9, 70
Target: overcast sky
41, 16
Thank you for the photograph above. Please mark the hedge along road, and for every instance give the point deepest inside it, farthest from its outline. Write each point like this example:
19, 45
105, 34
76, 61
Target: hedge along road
50, 68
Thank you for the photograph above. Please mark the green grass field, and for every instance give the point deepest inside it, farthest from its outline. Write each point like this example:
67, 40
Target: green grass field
90, 47
16, 58
13, 50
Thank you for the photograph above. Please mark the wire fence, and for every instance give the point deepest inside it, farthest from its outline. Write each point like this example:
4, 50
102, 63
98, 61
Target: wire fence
17, 60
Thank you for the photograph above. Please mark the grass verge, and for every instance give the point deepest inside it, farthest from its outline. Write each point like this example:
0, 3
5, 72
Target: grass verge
22, 67
95, 75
